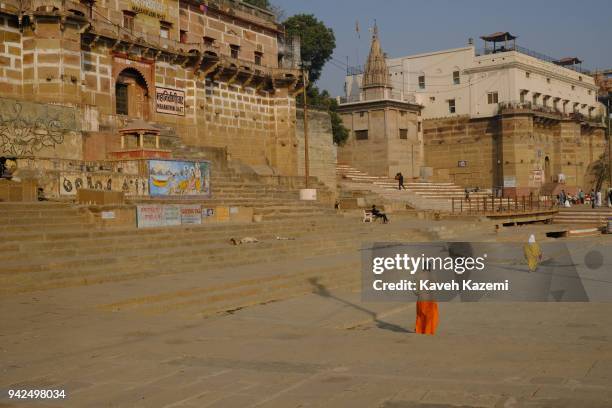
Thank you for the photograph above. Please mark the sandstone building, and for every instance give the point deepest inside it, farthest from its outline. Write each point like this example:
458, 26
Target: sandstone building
504, 117
384, 128
118, 80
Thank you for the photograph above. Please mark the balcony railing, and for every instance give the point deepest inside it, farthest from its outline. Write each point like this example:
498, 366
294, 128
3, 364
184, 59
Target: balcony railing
395, 95
51, 6
244, 11
494, 206
504, 107
531, 53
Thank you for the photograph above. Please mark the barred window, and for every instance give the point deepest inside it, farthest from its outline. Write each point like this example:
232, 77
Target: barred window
361, 135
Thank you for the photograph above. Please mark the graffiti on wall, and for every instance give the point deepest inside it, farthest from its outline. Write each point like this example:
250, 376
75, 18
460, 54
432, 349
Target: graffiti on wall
69, 183
179, 178
26, 127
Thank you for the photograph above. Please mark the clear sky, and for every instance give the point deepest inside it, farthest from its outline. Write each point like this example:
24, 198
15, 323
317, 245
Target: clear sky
557, 28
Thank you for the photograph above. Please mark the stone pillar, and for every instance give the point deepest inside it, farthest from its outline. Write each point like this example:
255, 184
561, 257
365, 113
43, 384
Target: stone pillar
122, 141
141, 139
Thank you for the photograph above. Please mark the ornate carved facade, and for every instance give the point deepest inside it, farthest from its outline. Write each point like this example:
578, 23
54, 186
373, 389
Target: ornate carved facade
215, 74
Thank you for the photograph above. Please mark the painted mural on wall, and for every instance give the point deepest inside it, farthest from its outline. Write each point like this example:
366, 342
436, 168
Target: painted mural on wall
26, 127
179, 178
131, 185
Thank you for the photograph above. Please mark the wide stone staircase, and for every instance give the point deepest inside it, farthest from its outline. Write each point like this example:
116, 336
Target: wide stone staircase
272, 197
583, 215
49, 246
418, 194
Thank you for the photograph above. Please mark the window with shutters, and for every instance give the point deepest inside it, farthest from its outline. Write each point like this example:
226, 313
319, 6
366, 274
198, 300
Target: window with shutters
121, 98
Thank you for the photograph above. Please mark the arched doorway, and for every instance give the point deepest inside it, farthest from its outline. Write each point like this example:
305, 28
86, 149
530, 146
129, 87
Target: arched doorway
547, 175
132, 94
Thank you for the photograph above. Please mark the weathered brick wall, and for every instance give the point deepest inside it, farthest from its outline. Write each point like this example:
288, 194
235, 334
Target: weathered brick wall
321, 149
10, 57
58, 63
520, 152
371, 154
448, 141
393, 144
225, 32
52, 63
97, 80
29, 129
404, 155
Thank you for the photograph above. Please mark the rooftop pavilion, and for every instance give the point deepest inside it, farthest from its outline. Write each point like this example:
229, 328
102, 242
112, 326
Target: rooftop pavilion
505, 41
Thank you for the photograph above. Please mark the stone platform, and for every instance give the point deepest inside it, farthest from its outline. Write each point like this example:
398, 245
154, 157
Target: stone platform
277, 324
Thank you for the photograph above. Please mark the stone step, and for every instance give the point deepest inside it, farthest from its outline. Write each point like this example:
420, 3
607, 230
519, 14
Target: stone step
75, 237
96, 270
125, 241
88, 233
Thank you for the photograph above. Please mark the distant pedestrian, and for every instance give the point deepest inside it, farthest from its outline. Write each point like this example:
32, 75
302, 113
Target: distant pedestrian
400, 181
378, 214
562, 198
581, 196
592, 196
599, 198
610, 197
533, 253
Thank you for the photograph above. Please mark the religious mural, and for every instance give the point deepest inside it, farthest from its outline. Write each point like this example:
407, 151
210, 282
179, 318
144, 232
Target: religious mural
179, 178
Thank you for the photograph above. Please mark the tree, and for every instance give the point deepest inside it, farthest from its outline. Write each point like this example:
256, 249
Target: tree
317, 41
323, 101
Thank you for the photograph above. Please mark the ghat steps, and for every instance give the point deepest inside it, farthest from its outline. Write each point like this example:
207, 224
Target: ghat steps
57, 255
583, 215
419, 195
269, 196
60, 255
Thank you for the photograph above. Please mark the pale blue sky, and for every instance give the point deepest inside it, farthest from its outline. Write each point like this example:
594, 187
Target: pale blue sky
556, 28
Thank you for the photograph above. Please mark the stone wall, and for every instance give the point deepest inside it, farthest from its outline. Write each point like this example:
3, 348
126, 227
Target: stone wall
461, 150
393, 143
10, 56
321, 148
59, 61
519, 152
30, 129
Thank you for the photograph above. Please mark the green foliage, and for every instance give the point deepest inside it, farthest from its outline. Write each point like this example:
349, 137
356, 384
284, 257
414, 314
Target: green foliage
340, 132
317, 41
322, 100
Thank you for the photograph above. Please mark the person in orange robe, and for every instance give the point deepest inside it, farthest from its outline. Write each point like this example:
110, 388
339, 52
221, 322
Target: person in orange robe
427, 316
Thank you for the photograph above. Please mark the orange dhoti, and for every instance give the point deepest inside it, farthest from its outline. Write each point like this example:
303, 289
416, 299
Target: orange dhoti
426, 317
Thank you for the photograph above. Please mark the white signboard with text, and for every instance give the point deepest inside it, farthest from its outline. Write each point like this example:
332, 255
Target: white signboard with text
170, 101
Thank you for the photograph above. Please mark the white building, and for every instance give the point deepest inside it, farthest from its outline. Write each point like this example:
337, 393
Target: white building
462, 81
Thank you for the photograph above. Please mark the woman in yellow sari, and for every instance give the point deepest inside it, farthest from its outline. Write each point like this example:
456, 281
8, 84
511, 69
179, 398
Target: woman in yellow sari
533, 253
